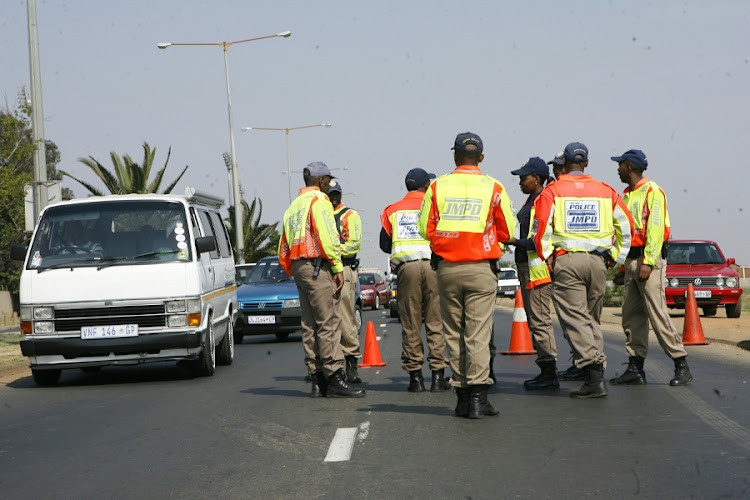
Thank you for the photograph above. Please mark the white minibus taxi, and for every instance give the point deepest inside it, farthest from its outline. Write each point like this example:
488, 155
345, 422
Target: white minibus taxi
128, 279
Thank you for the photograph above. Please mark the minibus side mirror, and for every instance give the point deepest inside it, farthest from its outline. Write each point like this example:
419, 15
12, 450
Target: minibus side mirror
205, 244
18, 252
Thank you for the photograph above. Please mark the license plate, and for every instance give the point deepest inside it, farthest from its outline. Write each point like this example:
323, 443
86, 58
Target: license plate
110, 331
701, 294
261, 320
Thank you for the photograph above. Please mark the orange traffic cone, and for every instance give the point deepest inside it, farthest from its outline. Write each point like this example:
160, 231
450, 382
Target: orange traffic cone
692, 331
372, 350
520, 336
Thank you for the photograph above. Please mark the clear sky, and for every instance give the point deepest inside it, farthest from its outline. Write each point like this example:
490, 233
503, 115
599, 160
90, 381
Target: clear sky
398, 80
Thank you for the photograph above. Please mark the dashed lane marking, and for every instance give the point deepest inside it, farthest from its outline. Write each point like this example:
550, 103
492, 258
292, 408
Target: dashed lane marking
341, 447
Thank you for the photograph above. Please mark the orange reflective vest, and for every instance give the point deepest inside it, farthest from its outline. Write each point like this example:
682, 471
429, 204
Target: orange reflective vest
580, 214
399, 221
648, 204
309, 231
466, 216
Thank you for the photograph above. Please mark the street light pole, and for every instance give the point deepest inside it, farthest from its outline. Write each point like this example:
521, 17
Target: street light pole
288, 155
238, 230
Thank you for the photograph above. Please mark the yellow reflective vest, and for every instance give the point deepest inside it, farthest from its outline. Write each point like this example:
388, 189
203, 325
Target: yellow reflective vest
648, 205
310, 231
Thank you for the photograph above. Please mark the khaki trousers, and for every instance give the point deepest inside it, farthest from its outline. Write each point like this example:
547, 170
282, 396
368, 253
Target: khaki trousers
537, 302
349, 331
467, 306
321, 326
645, 301
418, 294
580, 280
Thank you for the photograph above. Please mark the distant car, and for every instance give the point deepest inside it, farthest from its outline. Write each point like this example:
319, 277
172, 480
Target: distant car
507, 282
702, 264
268, 302
242, 271
375, 291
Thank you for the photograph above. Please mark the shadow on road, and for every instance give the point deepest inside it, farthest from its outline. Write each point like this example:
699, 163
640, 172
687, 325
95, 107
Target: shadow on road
412, 409
273, 391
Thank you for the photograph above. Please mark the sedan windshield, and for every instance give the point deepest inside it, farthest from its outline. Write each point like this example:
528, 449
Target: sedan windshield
694, 253
110, 233
366, 279
268, 271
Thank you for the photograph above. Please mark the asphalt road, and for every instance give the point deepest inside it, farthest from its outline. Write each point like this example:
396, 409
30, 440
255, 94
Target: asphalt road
250, 431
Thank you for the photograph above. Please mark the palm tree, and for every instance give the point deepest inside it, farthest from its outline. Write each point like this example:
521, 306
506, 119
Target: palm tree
128, 176
260, 240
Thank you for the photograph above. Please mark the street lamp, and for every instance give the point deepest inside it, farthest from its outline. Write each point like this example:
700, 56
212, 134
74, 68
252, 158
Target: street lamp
288, 159
235, 173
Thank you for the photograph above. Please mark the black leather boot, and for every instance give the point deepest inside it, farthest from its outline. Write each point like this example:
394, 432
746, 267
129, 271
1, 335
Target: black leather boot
682, 375
572, 374
416, 381
462, 402
545, 380
479, 406
593, 386
351, 370
633, 375
319, 385
439, 382
338, 387
492, 369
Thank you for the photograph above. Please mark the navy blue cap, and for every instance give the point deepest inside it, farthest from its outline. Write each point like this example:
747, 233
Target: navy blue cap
535, 166
335, 187
466, 139
416, 178
634, 156
319, 169
559, 159
574, 149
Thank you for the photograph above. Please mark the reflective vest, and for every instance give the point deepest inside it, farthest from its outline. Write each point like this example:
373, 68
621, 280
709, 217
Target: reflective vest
400, 223
648, 205
309, 231
349, 227
580, 214
538, 269
466, 216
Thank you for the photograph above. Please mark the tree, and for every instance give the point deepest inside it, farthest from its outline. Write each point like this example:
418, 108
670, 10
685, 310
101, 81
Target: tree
128, 177
260, 240
17, 170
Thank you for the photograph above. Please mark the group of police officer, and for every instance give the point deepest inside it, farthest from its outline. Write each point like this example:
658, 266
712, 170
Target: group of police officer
445, 238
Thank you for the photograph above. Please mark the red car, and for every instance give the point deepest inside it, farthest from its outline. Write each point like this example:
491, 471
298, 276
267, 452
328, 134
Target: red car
701, 263
375, 290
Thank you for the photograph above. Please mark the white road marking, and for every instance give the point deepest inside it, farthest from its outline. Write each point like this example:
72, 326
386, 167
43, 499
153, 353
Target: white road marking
341, 447
382, 325
378, 338
342, 444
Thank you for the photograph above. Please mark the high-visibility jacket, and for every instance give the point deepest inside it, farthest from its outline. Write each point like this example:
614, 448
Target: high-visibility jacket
648, 205
580, 214
399, 221
466, 216
309, 231
349, 227
538, 269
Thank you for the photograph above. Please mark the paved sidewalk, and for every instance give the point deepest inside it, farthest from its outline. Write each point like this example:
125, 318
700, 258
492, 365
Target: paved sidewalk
719, 328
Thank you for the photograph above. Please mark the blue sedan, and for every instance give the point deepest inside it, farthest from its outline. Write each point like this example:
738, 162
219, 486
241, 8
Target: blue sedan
268, 302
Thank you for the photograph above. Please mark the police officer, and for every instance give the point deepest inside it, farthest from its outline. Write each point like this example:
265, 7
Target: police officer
467, 216
572, 373
417, 285
575, 221
645, 274
309, 251
349, 227
536, 284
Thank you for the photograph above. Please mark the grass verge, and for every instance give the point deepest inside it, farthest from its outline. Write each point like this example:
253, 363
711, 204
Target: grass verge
10, 350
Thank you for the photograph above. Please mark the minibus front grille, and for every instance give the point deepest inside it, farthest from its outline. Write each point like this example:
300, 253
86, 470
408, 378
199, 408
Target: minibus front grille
145, 316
